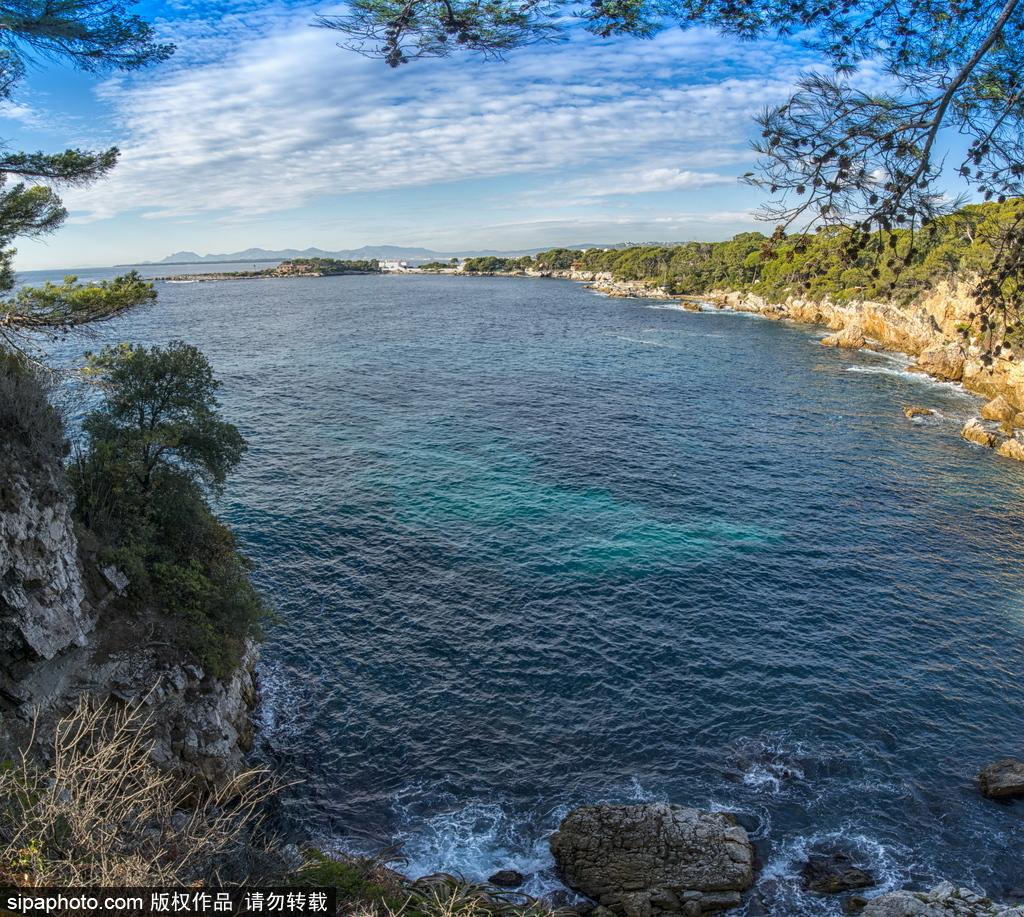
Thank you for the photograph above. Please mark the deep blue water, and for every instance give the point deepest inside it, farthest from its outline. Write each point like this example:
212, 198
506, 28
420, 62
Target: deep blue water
532, 547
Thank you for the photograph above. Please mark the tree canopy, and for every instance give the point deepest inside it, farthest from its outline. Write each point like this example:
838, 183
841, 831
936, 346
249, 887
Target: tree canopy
160, 411
154, 449
93, 35
834, 154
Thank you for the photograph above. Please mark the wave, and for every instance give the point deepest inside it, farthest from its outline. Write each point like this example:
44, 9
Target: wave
476, 839
648, 343
920, 378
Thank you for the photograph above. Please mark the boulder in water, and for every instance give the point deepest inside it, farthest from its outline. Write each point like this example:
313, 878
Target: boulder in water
833, 874
912, 410
1011, 448
1002, 779
507, 878
654, 859
975, 431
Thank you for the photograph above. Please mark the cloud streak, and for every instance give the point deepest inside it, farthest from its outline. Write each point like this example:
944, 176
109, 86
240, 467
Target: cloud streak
263, 114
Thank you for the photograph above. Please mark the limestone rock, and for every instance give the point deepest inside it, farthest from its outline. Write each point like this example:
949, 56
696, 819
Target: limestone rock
42, 594
944, 361
1018, 420
912, 410
945, 900
998, 409
852, 337
655, 859
975, 432
1003, 778
1011, 448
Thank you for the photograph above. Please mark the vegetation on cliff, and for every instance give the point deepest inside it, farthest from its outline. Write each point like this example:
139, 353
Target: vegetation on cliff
33, 431
819, 265
154, 450
101, 814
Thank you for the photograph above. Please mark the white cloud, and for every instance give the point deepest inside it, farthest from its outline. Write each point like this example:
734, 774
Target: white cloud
263, 113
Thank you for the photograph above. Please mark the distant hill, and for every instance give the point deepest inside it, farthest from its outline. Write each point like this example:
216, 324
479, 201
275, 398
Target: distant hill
367, 252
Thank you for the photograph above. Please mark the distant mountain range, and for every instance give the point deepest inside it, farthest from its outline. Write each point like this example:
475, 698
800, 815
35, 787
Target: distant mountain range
367, 252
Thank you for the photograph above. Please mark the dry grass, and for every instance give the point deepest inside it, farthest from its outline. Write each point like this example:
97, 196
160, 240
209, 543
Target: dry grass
450, 896
102, 814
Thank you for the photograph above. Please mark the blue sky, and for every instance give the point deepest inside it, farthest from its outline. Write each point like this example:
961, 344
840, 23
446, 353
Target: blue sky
262, 132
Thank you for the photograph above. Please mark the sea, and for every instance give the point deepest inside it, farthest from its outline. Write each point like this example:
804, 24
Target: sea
532, 547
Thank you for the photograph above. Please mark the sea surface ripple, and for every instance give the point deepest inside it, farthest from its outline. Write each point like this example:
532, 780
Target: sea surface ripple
532, 547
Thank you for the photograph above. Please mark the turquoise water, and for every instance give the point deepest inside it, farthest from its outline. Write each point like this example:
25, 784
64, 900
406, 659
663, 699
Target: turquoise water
533, 547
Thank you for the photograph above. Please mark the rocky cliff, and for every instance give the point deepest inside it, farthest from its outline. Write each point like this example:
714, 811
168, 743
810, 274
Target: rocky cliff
65, 630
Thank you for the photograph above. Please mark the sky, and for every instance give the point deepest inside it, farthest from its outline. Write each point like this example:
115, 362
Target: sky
261, 131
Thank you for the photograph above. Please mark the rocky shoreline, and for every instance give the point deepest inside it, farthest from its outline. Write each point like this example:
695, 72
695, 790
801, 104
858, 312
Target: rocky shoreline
666, 860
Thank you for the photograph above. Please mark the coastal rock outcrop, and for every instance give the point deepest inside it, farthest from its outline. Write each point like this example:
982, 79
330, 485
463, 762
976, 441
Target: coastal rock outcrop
64, 634
1003, 778
42, 592
852, 337
975, 431
943, 361
912, 410
654, 859
945, 900
998, 409
1011, 448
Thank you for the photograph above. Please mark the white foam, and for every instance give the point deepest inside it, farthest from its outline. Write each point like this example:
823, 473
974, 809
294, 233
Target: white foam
780, 880
279, 713
476, 839
920, 378
648, 343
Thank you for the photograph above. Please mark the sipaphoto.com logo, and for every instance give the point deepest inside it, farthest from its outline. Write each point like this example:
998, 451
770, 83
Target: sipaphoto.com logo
23, 903
169, 902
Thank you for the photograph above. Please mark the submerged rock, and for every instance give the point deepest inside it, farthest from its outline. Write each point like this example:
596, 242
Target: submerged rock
945, 900
654, 859
833, 874
852, 337
912, 410
1002, 778
507, 878
998, 409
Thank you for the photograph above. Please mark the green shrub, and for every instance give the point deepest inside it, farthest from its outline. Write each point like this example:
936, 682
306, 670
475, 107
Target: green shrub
156, 448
